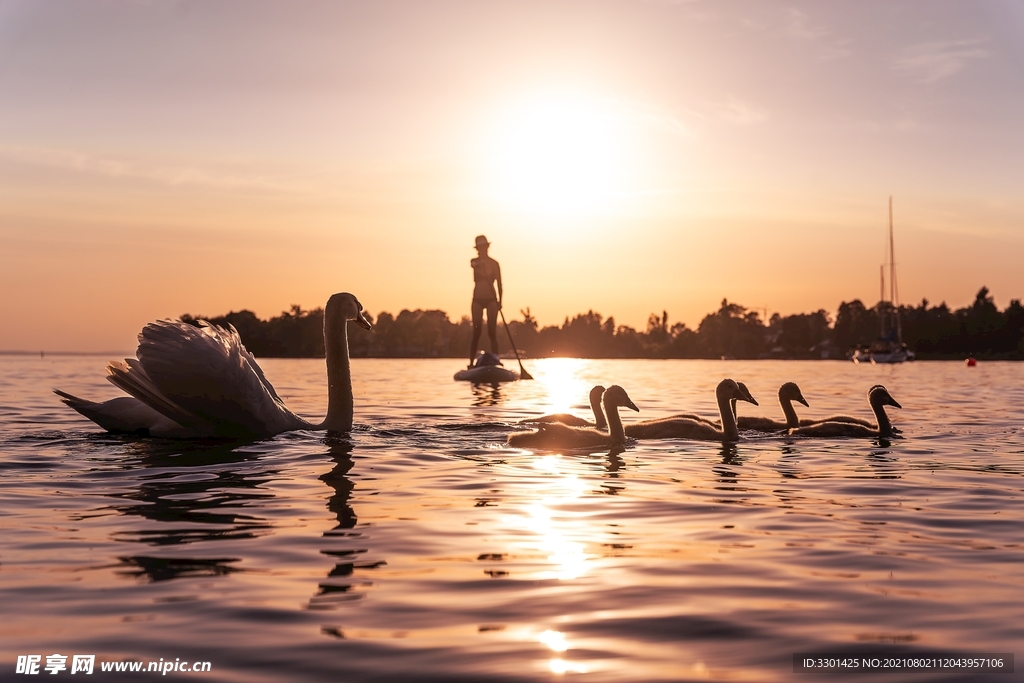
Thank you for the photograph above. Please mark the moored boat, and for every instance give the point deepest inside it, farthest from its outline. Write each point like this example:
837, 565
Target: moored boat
889, 347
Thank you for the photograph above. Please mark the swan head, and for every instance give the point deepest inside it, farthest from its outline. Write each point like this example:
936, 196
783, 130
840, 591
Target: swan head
879, 395
790, 391
343, 307
595, 395
617, 396
730, 389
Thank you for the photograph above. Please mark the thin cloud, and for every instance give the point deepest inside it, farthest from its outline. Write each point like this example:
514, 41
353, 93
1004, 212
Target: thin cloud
742, 114
800, 26
933, 61
161, 172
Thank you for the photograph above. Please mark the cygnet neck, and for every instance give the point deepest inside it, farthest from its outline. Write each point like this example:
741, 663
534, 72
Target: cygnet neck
611, 409
729, 429
884, 425
789, 411
595, 404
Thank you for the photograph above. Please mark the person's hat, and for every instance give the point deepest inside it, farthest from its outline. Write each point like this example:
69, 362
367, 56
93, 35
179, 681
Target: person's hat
481, 241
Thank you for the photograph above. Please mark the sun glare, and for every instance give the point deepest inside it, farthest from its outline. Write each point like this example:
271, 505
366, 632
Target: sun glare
559, 157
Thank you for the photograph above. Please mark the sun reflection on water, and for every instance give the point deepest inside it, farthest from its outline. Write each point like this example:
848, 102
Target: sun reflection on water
561, 381
554, 536
555, 641
560, 666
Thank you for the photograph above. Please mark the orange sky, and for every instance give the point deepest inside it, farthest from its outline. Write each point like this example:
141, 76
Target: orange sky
626, 157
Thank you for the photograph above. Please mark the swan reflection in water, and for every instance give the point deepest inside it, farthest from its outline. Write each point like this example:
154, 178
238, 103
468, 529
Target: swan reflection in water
193, 491
345, 544
727, 472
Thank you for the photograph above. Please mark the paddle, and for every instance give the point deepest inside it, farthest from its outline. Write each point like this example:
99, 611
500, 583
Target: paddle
523, 374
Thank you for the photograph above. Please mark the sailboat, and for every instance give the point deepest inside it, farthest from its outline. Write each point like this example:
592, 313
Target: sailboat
889, 347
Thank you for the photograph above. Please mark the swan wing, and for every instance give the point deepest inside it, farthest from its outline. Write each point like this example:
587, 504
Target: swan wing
130, 377
207, 372
122, 415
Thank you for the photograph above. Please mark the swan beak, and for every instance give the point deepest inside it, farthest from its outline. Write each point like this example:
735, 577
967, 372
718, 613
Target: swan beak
894, 403
363, 322
801, 399
632, 406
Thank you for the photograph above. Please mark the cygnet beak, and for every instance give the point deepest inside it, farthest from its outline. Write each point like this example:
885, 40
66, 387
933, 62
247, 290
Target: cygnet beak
891, 401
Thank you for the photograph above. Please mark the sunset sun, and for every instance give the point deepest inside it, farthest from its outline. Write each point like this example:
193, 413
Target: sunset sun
559, 158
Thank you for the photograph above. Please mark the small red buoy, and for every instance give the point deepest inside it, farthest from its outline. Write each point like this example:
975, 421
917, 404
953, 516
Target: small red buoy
971, 362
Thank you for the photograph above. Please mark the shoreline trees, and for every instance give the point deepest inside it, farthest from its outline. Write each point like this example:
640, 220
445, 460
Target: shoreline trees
733, 331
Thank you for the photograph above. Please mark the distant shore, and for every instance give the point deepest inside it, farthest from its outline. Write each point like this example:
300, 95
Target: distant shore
980, 330
932, 332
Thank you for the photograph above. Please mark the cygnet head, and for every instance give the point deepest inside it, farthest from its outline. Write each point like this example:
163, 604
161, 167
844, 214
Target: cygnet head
879, 395
343, 307
728, 389
790, 391
617, 396
748, 397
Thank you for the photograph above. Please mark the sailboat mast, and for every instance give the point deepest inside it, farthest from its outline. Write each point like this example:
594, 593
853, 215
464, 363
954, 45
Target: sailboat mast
881, 299
892, 266
892, 278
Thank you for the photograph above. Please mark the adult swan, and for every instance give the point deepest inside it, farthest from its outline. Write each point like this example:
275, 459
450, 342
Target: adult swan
194, 382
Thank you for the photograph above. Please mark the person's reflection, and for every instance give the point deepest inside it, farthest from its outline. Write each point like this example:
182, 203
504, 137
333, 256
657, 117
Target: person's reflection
193, 491
340, 584
486, 395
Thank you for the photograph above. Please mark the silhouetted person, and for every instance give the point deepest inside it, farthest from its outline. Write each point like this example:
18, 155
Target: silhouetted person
486, 272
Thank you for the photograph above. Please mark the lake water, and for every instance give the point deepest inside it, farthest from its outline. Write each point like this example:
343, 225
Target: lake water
424, 549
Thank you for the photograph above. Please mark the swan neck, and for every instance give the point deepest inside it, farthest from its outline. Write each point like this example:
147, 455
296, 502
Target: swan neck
790, 412
339, 379
729, 430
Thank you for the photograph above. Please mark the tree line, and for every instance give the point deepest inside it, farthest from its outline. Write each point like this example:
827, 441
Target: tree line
733, 331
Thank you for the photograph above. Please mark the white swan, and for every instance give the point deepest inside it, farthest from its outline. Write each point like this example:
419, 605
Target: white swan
685, 428
557, 435
878, 398
788, 393
194, 382
568, 419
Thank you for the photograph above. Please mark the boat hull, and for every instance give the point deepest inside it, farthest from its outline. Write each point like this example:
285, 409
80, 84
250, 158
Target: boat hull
882, 357
486, 374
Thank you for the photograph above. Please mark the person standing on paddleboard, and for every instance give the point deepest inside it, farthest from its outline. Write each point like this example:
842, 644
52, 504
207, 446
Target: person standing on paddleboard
486, 273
